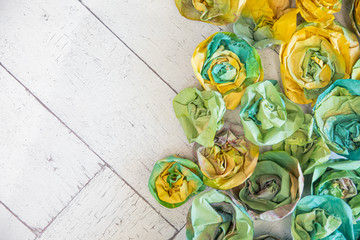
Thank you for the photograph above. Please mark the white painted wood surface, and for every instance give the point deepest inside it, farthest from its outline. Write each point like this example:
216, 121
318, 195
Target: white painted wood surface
89, 113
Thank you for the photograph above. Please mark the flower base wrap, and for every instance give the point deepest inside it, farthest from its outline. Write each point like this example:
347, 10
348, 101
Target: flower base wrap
229, 162
174, 180
217, 12
319, 11
337, 120
263, 23
340, 179
272, 191
216, 215
314, 58
228, 65
306, 146
267, 116
200, 114
322, 217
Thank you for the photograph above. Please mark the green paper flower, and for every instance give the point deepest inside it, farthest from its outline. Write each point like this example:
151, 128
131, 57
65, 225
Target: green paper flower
337, 120
267, 116
322, 217
200, 114
273, 190
216, 215
305, 146
174, 180
340, 179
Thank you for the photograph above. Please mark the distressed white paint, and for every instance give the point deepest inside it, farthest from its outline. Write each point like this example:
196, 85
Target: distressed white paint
107, 209
181, 235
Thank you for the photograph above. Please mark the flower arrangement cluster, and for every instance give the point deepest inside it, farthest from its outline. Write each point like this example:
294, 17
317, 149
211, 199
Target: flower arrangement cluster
320, 65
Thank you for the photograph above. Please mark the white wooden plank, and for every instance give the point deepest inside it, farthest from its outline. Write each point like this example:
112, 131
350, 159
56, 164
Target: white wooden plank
11, 228
107, 209
181, 235
95, 85
42, 164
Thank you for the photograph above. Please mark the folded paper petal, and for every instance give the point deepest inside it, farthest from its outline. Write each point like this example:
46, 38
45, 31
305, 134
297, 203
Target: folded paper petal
267, 116
174, 180
216, 215
306, 146
264, 23
229, 162
319, 11
217, 12
273, 190
226, 64
314, 58
340, 179
200, 114
337, 120
355, 16
322, 217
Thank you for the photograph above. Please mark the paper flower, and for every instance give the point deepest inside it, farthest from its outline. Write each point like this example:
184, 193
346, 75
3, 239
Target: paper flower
174, 180
229, 162
224, 63
273, 190
340, 179
267, 116
200, 114
319, 11
322, 217
266, 237
314, 58
305, 146
216, 215
263, 23
355, 16
217, 12
337, 121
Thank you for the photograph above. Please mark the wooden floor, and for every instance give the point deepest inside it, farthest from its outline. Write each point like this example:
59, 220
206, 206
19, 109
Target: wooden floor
86, 91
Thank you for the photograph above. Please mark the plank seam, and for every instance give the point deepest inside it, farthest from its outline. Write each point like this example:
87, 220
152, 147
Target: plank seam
173, 237
138, 56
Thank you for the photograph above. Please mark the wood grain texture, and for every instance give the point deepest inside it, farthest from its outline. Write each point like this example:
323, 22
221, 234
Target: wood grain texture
107, 209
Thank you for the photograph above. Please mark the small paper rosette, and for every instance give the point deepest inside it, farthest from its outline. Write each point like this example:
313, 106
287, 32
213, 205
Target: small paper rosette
174, 180
337, 121
319, 11
305, 146
340, 179
314, 58
200, 114
226, 64
322, 217
355, 16
217, 12
216, 215
263, 23
229, 162
273, 190
267, 116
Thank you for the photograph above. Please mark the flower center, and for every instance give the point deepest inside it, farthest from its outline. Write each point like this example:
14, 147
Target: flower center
224, 72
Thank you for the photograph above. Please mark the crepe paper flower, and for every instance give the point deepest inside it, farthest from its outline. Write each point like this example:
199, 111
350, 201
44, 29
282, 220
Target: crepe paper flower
200, 114
305, 146
217, 12
174, 180
263, 23
273, 190
314, 58
319, 11
355, 16
356, 70
340, 179
267, 116
229, 162
226, 64
337, 120
217, 215
322, 217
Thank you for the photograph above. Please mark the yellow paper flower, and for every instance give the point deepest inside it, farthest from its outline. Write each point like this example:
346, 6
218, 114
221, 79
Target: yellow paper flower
319, 11
314, 58
217, 12
228, 65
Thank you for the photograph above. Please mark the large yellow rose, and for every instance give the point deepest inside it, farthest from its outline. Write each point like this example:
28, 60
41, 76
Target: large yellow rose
319, 11
314, 58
